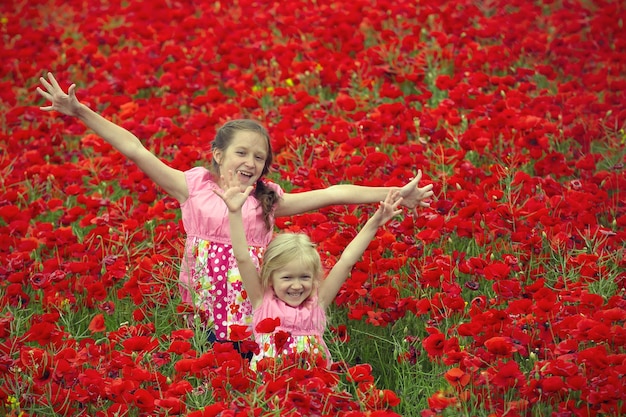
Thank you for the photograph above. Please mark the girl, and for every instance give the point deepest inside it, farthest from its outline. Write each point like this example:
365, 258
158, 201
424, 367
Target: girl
208, 279
290, 288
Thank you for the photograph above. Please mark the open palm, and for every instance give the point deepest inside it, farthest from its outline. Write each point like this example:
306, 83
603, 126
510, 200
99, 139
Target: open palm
233, 196
64, 103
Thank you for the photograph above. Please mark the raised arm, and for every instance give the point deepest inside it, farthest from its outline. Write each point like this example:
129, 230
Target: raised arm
234, 199
296, 203
170, 179
353, 252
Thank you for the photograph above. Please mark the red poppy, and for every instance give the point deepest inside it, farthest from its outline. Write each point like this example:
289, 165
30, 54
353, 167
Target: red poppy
179, 347
37, 363
552, 384
384, 297
183, 334
15, 296
140, 343
249, 346
345, 102
434, 344
171, 405
120, 390
377, 399
457, 377
211, 410
439, 401
44, 333
139, 314
280, 339
500, 346
144, 400
97, 324
507, 375
340, 333
496, 271
360, 373
268, 325
239, 332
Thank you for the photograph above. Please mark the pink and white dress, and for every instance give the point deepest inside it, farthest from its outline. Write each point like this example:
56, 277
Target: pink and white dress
209, 279
305, 324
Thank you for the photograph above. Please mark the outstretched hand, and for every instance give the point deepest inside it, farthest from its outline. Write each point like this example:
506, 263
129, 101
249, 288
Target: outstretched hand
233, 196
64, 103
388, 208
414, 196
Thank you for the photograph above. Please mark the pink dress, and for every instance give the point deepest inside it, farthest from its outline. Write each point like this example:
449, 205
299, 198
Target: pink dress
305, 324
209, 278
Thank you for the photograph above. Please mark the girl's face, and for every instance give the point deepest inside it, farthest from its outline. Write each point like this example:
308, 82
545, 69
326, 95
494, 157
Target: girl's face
245, 157
293, 283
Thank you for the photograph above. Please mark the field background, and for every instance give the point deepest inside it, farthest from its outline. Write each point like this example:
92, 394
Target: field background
504, 298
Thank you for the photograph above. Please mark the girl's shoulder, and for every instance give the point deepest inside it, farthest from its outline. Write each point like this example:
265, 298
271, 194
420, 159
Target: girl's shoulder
200, 178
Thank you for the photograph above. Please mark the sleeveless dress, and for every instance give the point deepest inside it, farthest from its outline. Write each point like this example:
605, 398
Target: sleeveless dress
305, 325
209, 279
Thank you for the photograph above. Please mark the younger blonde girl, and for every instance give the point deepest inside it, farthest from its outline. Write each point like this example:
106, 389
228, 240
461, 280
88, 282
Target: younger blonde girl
289, 292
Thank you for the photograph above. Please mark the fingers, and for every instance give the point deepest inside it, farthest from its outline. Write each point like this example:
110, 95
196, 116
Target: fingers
52, 86
427, 193
53, 81
45, 83
52, 89
393, 198
389, 207
44, 94
392, 201
232, 183
233, 197
417, 177
230, 180
387, 212
397, 201
248, 190
47, 96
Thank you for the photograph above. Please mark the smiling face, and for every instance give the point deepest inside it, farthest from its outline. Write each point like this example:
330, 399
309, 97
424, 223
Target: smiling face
239, 146
293, 283
291, 267
245, 156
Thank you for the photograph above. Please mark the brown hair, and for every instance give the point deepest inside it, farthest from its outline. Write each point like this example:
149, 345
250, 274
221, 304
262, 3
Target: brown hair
223, 138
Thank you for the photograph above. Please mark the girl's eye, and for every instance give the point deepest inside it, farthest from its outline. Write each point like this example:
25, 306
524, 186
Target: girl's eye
260, 158
239, 152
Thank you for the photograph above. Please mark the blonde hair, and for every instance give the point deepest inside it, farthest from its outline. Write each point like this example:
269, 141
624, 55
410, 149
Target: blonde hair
285, 248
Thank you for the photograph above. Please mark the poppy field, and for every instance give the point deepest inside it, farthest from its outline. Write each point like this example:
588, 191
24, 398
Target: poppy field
505, 297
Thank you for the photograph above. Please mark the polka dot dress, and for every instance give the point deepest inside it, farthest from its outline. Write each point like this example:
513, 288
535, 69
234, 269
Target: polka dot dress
218, 287
209, 280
